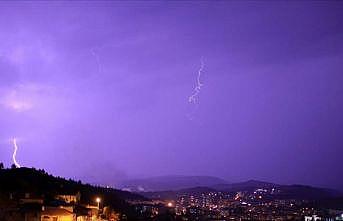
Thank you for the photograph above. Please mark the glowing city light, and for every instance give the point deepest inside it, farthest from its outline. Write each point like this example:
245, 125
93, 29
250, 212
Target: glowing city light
98, 200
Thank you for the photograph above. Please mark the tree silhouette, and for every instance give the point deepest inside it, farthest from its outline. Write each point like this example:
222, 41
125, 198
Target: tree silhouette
1, 166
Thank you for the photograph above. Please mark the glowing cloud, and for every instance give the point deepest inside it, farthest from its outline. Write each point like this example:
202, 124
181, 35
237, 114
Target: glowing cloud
17, 98
18, 104
25, 97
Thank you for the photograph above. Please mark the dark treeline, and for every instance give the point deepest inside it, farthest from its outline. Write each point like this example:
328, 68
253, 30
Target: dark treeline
18, 181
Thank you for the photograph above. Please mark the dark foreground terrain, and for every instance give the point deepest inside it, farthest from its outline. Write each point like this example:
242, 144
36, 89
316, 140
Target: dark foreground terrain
34, 195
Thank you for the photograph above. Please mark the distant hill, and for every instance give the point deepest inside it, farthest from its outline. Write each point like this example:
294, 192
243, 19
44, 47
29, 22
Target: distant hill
172, 195
170, 186
306, 192
244, 186
164, 183
284, 191
38, 183
300, 192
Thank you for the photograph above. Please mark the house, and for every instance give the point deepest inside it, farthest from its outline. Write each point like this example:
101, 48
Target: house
312, 218
83, 213
69, 198
56, 214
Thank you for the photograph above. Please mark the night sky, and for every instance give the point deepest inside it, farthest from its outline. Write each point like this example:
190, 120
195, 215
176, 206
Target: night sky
99, 91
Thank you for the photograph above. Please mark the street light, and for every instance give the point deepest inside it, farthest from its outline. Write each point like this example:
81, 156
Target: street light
98, 200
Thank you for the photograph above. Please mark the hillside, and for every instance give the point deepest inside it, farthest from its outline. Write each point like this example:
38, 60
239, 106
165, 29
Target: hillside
167, 183
244, 186
40, 184
297, 192
284, 191
173, 194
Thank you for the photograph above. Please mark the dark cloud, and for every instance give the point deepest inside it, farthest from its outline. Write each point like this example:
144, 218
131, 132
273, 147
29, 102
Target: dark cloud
104, 86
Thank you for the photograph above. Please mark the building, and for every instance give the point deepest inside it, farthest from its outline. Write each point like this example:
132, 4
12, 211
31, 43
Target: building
69, 198
56, 214
312, 218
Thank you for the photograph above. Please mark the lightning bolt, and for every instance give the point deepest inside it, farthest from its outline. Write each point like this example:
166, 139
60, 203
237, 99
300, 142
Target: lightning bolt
97, 59
196, 91
15, 153
193, 98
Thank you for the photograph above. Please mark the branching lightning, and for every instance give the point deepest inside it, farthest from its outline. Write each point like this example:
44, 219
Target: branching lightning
199, 84
193, 98
97, 59
15, 153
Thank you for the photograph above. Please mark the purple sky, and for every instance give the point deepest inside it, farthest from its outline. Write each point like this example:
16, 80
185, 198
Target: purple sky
99, 90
